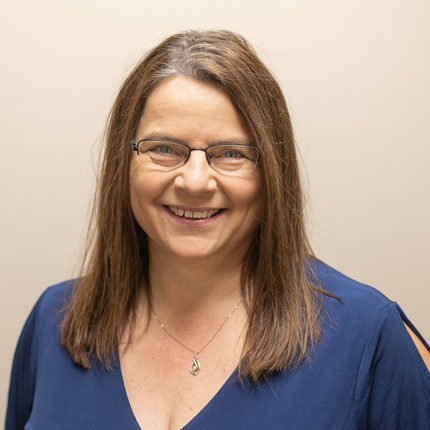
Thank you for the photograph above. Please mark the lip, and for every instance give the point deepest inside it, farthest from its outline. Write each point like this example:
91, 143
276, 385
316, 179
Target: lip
194, 221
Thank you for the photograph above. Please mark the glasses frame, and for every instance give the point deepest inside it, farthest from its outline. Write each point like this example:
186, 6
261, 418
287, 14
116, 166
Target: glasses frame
135, 147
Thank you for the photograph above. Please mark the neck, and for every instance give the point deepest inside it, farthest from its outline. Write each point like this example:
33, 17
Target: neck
194, 291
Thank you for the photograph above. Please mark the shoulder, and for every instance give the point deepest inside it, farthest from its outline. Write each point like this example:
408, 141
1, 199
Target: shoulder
349, 303
365, 335
56, 295
42, 327
39, 337
53, 302
357, 310
348, 290
46, 315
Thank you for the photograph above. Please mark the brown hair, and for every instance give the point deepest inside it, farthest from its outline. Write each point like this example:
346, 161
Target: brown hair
282, 304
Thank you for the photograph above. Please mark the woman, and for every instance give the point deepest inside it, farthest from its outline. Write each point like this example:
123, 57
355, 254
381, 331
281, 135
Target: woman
201, 306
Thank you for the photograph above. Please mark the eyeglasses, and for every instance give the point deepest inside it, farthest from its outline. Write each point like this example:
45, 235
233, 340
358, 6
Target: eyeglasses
224, 158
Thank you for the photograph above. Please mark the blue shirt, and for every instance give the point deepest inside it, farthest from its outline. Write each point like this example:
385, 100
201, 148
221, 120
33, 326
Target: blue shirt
365, 373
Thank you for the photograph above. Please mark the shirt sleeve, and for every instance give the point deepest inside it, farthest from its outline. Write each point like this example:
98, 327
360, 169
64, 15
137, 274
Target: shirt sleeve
393, 386
23, 377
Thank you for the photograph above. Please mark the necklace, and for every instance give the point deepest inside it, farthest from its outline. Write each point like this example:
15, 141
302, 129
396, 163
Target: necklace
195, 366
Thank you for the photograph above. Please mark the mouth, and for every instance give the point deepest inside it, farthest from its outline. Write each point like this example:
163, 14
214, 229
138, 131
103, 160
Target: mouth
194, 214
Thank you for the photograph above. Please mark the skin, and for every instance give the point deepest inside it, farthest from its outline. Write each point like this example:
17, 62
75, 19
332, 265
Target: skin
198, 115
425, 354
184, 252
195, 264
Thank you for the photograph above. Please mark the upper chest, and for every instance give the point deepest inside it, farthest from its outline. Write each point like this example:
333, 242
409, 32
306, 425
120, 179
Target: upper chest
162, 391
158, 392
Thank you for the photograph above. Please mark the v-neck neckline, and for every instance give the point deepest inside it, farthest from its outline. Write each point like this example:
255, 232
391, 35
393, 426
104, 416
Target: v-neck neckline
195, 422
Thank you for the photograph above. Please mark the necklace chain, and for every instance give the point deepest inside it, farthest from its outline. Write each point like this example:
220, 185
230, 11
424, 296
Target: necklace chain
195, 366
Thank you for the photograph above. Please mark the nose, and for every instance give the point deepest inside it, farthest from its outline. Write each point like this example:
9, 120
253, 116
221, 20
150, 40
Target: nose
196, 177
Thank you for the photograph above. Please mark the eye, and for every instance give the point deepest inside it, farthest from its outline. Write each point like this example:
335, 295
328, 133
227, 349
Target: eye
233, 158
162, 149
155, 148
232, 154
162, 154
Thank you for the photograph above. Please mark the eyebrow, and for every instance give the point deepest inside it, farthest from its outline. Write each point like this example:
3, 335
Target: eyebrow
164, 136
161, 136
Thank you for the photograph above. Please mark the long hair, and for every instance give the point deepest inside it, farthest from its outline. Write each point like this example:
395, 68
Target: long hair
282, 304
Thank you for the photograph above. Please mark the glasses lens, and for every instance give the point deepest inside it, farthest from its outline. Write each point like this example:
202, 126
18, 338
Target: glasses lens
162, 154
233, 158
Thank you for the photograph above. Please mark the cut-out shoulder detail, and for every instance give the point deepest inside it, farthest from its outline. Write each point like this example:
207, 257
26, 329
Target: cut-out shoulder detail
425, 354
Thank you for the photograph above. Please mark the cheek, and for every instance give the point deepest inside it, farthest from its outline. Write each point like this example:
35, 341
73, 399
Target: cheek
136, 203
135, 197
248, 196
260, 202
249, 203
142, 192
256, 195
146, 188
260, 195
135, 188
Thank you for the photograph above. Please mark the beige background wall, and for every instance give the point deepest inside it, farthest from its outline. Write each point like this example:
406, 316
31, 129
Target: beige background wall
355, 74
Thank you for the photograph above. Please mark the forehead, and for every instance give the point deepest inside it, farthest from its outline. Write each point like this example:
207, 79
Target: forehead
186, 108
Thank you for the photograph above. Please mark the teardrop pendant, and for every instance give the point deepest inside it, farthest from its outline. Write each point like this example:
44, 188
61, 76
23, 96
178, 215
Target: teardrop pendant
195, 367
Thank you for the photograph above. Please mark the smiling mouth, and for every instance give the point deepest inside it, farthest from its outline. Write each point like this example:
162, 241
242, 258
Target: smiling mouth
193, 215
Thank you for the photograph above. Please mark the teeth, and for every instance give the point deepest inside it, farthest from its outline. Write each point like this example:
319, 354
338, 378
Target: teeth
196, 215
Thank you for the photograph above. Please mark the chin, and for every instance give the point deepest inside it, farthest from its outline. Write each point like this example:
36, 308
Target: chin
191, 251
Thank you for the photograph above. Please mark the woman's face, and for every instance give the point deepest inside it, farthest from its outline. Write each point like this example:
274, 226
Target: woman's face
165, 203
